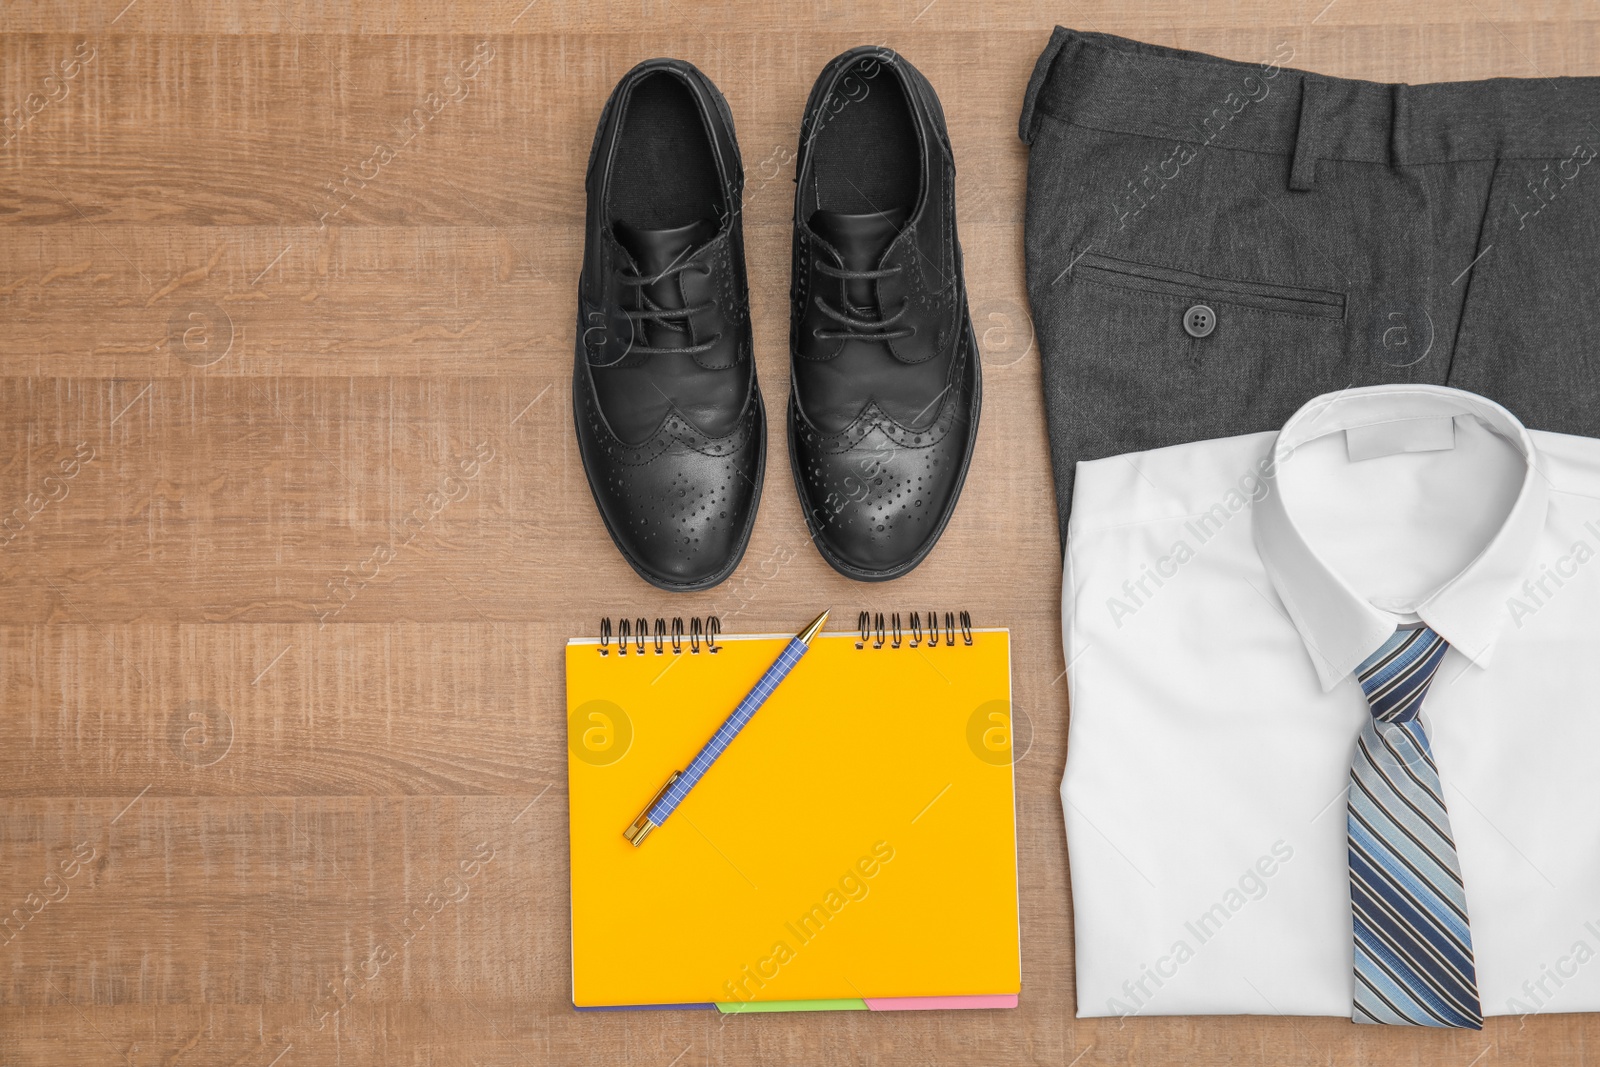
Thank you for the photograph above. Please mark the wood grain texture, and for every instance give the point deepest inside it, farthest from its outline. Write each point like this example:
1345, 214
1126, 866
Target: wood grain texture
238, 358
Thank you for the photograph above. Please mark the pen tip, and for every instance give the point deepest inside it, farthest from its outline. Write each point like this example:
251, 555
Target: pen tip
814, 628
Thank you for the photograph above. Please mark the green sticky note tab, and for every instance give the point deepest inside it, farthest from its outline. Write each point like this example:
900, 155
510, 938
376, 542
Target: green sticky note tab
848, 1004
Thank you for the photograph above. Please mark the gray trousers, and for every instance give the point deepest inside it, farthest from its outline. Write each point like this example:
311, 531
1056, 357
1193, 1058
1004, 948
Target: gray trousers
1212, 243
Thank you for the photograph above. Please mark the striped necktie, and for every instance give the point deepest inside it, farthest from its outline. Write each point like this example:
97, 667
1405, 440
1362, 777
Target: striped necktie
1413, 948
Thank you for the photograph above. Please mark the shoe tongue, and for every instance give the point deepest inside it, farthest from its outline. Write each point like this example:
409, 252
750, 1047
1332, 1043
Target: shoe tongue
656, 250
653, 252
861, 241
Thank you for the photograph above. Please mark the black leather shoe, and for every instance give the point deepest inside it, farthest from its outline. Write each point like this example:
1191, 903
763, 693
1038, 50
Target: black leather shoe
883, 411
669, 416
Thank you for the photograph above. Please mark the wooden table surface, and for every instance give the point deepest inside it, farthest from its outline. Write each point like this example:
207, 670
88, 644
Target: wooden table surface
295, 528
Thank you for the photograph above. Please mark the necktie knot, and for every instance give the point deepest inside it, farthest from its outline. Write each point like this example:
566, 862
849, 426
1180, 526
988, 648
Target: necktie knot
1396, 677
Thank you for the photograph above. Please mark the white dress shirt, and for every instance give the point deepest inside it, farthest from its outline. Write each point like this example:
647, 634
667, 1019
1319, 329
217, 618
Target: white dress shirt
1217, 598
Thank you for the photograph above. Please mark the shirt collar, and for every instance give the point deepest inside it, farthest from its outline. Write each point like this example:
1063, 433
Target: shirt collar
1339, 627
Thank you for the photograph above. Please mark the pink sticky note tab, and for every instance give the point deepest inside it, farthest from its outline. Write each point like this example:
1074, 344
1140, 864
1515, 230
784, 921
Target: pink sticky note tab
997, 1000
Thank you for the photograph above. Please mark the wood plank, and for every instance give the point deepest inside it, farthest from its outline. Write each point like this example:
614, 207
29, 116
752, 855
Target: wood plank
375, 17
423, 301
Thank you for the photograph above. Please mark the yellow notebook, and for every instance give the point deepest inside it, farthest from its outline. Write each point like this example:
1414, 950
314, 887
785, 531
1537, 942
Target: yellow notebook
855, 846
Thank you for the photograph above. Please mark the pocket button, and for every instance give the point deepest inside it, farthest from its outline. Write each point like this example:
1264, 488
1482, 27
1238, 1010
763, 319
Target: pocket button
1199, 321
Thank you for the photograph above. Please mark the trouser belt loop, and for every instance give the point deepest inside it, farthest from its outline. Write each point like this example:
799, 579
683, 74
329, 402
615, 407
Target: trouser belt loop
1303, 169
1399, 115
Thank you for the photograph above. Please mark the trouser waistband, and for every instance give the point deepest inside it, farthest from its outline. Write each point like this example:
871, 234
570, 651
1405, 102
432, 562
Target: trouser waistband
1114, 84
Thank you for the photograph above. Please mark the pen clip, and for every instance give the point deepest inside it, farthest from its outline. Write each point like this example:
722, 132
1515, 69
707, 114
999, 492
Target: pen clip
641, 826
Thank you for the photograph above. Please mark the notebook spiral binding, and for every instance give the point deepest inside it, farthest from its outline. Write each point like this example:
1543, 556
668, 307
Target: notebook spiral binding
875, 630
637, 635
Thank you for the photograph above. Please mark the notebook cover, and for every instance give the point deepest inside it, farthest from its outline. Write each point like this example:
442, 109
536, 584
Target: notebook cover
856, 843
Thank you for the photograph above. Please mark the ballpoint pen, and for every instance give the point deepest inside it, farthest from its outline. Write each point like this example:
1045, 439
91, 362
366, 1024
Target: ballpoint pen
678, 786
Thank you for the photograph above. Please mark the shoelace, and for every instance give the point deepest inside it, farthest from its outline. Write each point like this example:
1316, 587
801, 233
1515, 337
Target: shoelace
855, 327
672, 318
